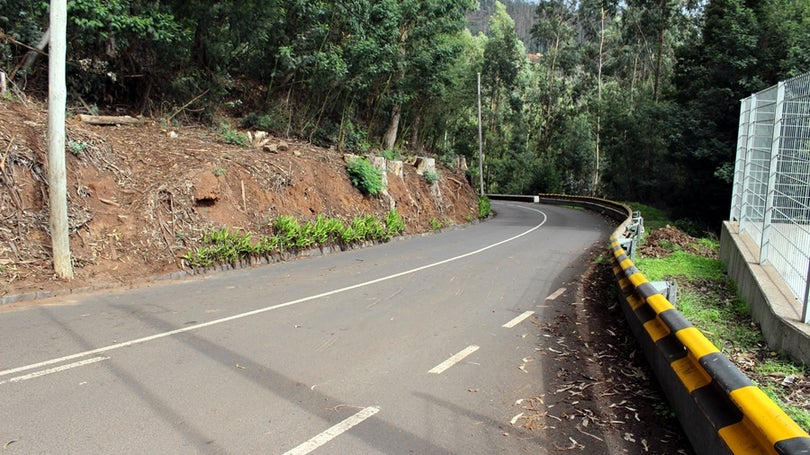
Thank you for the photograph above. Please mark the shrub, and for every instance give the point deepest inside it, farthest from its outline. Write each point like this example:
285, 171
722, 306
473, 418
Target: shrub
394, 224
232, 136
364, 176
390, 154
432, 176
287, 230
484, 207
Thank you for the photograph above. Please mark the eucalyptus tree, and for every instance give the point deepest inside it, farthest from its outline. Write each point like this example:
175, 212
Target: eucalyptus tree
504, 60
427, 39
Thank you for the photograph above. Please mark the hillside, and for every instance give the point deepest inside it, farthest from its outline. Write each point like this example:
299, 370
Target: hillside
139, 196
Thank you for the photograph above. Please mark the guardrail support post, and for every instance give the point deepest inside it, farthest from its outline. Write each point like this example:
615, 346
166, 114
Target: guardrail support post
629, 246
668, 289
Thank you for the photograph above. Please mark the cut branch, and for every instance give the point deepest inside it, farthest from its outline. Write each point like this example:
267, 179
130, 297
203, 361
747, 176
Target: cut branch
109, 119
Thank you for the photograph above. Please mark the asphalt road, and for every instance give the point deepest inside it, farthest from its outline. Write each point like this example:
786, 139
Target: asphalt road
421, 345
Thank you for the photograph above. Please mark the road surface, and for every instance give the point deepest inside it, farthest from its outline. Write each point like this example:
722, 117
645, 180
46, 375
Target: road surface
428, 344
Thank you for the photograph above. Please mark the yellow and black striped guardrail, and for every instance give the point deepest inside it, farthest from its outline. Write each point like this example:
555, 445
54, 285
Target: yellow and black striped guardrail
718, 406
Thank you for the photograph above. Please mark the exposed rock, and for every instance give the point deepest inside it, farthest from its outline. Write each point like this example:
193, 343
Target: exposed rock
258, 139
425, 164
395, 167
461, 163
379, 163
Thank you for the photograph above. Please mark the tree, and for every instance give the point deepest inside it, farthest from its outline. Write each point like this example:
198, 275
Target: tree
427, 47
504, 59
711, 77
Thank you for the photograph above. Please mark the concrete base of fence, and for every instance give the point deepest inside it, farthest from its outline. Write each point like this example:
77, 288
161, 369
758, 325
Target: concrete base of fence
773, 305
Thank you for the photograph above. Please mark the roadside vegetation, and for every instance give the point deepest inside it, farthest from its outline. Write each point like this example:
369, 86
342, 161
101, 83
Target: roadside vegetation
707, 297
573, 91
225, 246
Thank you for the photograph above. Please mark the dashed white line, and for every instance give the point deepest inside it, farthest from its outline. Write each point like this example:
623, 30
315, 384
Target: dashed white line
440, 368
37, 374
333, 432
517, 320
556, 294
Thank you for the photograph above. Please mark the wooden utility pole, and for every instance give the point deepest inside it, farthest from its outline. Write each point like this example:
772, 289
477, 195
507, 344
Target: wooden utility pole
57, 176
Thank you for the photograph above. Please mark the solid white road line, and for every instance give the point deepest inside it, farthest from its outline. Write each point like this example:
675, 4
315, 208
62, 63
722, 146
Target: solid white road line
37, 374
272, 307
556, 294
439, 369
333, 432
517, 320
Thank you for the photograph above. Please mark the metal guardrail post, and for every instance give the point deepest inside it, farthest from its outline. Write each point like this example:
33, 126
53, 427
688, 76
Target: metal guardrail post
668, 289
629, 246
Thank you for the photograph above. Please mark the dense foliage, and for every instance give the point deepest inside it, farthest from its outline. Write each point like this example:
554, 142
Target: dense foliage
629, 100
365, 176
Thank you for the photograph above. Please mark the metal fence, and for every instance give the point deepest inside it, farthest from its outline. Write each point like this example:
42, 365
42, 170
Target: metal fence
771, 193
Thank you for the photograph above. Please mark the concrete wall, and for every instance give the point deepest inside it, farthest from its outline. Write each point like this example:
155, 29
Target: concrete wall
773, 305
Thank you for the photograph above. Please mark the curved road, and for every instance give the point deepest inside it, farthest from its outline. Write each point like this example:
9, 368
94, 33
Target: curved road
422, 345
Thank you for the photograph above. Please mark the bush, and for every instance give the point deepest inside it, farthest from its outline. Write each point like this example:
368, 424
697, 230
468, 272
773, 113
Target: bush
364, 176
432, 176
484, 207
394, 224
390, 154
232, 136
288, 230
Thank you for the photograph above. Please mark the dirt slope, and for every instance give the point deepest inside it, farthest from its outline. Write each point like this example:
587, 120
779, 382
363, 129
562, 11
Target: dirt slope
140, 195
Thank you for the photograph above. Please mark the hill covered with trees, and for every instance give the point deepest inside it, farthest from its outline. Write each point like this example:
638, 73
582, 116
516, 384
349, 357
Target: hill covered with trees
629, 100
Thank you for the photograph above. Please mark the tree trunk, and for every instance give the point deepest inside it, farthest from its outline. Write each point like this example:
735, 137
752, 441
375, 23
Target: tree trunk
390, 138
659, 57
31, 56
595, 183
415, 142
57, 176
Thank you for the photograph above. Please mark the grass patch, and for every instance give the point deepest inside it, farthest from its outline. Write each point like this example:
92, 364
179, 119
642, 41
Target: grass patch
684, 265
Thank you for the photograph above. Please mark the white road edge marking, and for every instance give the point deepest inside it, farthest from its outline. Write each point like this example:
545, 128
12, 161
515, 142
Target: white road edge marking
37, 374
556, 294
273, 307
439, 369
333, 432
517, 320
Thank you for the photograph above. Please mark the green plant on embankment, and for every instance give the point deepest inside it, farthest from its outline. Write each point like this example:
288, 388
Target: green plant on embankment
224, 246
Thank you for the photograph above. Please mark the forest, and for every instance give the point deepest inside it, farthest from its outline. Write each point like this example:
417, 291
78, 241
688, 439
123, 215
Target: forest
634, 100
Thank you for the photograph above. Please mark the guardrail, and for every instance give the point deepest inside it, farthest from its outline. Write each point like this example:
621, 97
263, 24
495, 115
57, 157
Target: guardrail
718, 406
